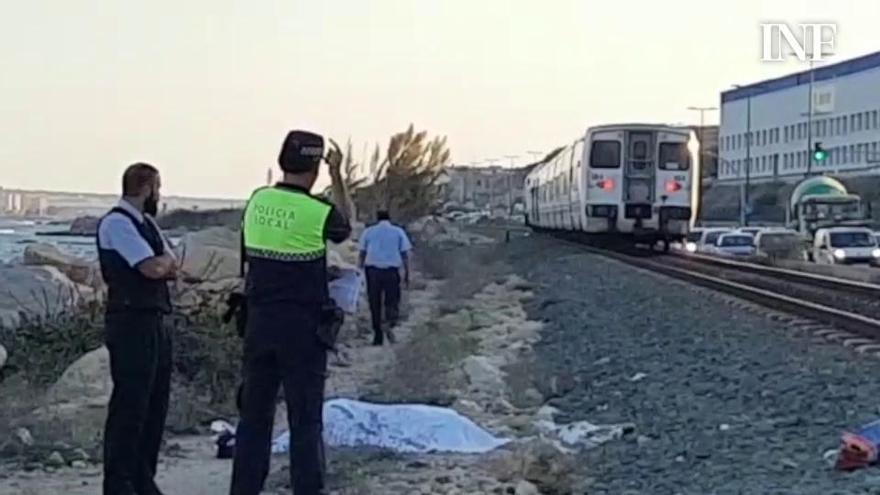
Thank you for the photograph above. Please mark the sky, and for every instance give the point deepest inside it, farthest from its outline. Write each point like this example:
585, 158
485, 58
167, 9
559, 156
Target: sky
207, 89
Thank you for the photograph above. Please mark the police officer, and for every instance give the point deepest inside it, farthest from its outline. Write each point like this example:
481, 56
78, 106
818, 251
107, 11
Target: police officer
285, 234
136, 262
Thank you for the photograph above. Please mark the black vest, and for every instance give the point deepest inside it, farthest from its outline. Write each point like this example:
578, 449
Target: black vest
127, 288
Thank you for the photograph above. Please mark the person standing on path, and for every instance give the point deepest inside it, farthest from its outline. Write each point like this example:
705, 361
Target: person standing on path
286, 230
136, 263
384, 249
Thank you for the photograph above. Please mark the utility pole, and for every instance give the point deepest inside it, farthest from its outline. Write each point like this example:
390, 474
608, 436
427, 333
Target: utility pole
509, 188
702, 111
744, 191
810, 121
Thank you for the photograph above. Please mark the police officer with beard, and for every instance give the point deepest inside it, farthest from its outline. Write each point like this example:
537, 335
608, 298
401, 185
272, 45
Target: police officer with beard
285, 234
136, 263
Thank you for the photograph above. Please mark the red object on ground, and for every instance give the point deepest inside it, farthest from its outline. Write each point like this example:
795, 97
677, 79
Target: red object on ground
856, 451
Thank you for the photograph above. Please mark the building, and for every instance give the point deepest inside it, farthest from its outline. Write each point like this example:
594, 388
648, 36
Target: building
492, 188
774, 125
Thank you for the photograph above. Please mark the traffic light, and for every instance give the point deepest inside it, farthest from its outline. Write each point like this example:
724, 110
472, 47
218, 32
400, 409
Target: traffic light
819, 153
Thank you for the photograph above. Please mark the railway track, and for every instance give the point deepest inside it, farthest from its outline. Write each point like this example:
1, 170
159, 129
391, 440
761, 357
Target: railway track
844, 304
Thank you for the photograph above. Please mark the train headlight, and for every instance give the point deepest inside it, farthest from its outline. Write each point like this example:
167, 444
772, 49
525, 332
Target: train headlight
672, 186
691, 247
875, 253
839, 254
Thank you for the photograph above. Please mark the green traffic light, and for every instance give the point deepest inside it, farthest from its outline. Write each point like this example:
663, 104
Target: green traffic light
820, 155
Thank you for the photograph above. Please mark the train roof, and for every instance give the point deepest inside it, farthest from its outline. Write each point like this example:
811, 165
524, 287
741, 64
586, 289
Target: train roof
638, 125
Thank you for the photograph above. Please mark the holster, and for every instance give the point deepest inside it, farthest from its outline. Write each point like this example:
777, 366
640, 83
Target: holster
236, 307
331, 322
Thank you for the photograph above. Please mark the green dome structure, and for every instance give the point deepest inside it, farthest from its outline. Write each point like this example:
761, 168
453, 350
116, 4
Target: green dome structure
816, 186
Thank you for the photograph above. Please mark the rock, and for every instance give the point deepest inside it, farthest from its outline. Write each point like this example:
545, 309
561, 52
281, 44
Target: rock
209, 255
24, 437
35, 291
3, 356
459, 319
427, 227
76, 269
482, 374
77, 402
526, 488
532, 398
55, 460
87, 226
538, 461
483, 319
79, 464
86, 380
79, 455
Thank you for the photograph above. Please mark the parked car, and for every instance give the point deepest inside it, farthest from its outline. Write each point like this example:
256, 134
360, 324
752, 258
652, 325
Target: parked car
845, 245
708, 238
780, 244
735, 244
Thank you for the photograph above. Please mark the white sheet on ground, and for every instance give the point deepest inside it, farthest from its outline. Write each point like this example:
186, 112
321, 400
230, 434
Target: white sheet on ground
345, 290
399, 427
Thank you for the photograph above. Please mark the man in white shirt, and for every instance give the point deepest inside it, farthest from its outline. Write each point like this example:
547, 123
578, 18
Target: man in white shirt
136, 263
384, 249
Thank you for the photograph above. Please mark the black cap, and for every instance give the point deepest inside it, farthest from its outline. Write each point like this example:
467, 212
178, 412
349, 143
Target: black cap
301, 152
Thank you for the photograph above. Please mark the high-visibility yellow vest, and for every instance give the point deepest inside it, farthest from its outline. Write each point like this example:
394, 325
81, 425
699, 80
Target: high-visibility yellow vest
285, 225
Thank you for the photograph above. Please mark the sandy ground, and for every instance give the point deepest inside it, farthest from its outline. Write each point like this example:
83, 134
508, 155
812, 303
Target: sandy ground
194, 471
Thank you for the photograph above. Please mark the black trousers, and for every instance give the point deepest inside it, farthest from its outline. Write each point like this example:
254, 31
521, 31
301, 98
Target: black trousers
383, 291
281, 348
140, 366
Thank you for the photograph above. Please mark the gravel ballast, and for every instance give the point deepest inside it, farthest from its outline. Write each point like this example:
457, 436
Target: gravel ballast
725, 399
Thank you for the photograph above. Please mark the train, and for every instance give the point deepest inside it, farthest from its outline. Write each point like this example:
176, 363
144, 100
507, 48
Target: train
635, 182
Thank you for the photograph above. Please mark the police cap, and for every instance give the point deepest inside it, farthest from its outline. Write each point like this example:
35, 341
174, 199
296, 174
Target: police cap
301, 152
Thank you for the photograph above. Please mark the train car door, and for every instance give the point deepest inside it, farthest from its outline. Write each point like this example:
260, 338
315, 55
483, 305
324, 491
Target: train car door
639, 173
638, 192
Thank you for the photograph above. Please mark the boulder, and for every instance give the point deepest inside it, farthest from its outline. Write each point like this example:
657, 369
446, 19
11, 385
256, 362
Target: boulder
427, 227
87, 380
86, 226
210, 254
76, 404
537, 461
76, 269
482, 374
35, 291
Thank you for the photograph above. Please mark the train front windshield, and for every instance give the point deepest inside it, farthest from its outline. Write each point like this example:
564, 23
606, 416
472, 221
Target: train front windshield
828, 211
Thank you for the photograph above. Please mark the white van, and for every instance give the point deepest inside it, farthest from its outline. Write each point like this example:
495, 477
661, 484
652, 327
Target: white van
708, 238
839, 245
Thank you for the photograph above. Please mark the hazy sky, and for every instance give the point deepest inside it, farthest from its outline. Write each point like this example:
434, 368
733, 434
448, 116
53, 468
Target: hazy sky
206, 89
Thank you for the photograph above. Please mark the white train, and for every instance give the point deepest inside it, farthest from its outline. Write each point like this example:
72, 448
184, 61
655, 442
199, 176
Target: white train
638, 181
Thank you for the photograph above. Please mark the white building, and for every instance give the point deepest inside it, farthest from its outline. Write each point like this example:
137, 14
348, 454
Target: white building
845, 120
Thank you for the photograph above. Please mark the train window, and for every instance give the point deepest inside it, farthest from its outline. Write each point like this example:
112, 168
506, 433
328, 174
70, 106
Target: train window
674, 156
640, 150
605, 154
